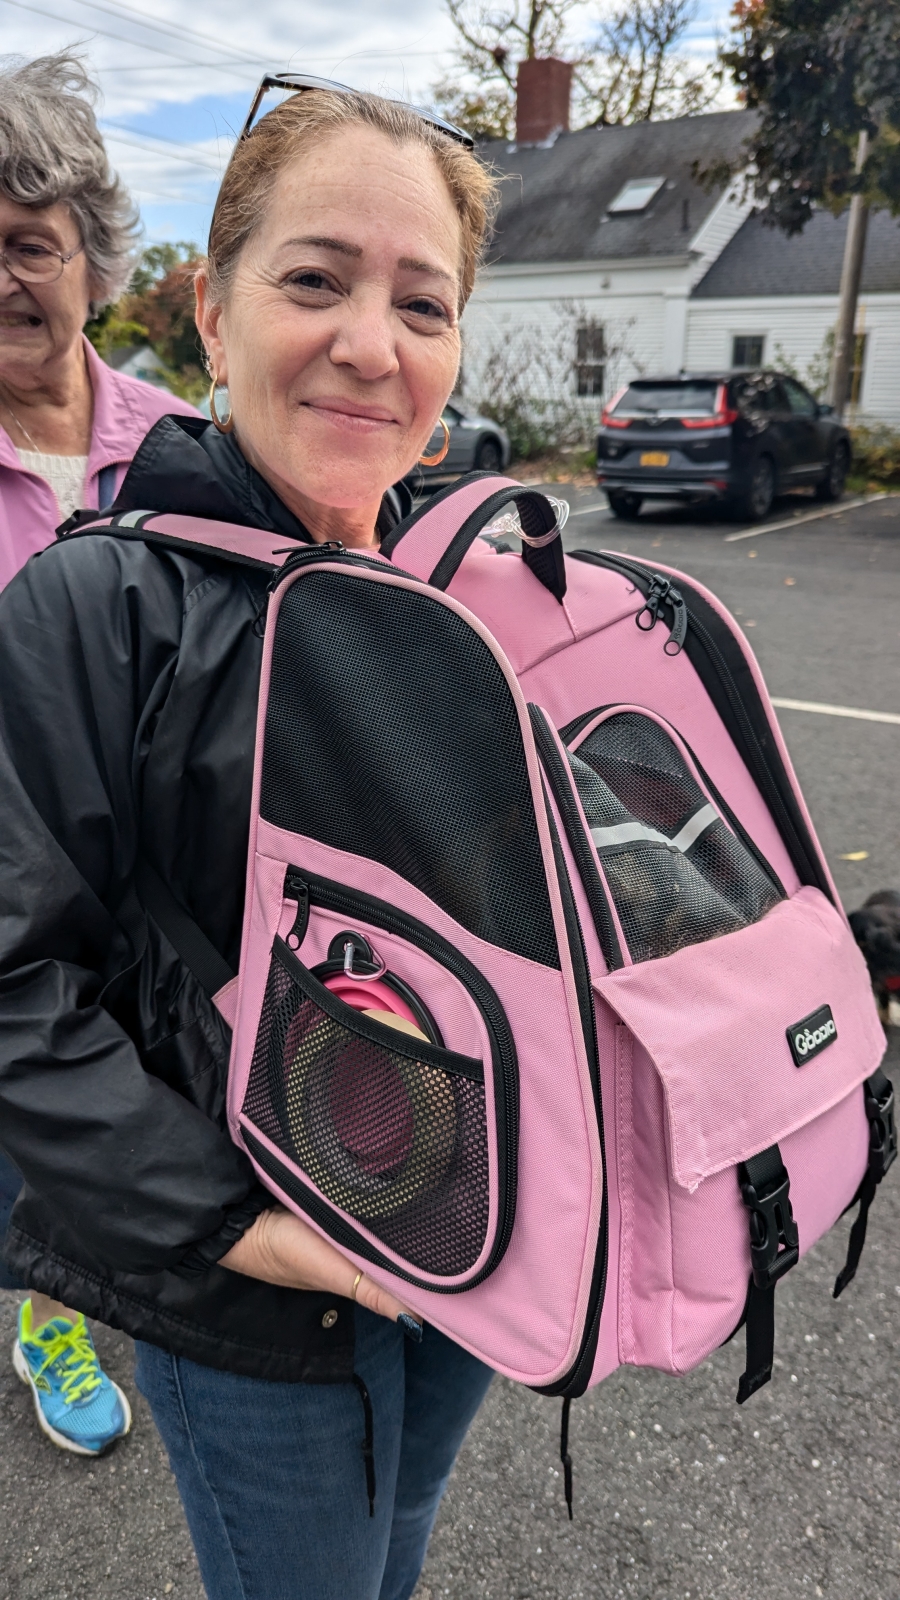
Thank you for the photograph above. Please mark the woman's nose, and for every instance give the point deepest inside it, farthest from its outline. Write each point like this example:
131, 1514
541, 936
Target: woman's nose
366, 338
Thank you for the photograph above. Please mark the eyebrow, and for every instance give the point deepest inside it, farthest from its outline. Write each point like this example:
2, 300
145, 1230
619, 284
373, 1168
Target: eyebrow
345, 248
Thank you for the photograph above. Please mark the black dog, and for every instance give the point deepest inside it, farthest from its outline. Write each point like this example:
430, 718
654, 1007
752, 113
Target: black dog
876, 928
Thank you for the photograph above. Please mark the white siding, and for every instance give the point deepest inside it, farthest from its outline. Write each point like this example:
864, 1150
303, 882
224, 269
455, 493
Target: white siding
633, 301
795, 327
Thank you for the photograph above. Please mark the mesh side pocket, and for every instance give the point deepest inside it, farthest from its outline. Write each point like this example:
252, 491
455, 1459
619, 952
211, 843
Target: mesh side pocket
677, 873
392, 1131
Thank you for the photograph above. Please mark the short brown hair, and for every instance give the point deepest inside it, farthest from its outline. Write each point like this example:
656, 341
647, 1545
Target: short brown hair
313, 114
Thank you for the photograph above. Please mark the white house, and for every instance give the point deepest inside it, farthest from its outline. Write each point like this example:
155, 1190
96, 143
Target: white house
609, 251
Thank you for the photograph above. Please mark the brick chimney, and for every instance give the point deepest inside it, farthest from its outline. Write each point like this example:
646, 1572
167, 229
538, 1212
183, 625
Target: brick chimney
543, 91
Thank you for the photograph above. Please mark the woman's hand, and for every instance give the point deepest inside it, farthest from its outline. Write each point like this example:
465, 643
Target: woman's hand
281, 1249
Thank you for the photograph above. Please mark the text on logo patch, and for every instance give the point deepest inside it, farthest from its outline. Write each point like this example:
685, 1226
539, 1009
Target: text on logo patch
814, 1033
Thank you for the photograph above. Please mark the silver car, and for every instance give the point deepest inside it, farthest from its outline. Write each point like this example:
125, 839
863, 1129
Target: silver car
476, 445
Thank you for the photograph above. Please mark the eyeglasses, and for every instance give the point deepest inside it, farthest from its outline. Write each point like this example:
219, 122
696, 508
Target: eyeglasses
36, 263
296, 85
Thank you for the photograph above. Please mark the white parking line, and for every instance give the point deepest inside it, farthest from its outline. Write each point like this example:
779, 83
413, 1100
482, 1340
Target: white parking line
589, 511
809, 516
836, 711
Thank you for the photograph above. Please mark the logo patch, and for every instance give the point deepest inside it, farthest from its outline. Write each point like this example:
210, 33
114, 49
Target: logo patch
811, 1035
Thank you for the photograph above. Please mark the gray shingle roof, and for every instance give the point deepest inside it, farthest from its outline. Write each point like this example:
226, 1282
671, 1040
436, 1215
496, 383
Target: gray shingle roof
554, 200
764, 261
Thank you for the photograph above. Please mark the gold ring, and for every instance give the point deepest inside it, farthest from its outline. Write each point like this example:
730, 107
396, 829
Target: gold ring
355, 1286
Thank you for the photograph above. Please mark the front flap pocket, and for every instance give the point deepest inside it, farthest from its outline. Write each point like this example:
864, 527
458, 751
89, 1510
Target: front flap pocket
390, 1129
715, 1019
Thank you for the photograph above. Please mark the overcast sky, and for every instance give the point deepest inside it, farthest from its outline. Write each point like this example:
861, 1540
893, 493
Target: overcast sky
177, 79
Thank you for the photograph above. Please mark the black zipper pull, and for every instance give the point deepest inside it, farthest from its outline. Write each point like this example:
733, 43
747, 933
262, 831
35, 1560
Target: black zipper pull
661, 593
296, 888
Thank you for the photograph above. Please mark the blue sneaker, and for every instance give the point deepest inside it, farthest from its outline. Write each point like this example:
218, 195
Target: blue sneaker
77, 1405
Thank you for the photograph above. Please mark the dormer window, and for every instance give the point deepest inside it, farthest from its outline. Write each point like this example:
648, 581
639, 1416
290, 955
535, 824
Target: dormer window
636, 194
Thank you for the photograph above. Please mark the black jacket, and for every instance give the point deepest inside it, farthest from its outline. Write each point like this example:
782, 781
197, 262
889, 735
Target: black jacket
128, 688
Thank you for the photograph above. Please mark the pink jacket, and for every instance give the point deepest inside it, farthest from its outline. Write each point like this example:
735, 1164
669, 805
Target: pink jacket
124, 411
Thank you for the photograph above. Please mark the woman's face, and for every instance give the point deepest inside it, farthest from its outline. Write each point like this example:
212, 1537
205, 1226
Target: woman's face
40, 322
339, 339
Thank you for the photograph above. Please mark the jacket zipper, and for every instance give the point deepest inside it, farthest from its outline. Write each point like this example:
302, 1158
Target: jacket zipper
312, 891
575, 1381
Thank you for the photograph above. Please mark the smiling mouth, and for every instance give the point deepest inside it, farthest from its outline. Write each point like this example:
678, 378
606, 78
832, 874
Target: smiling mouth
19, 319
346, 418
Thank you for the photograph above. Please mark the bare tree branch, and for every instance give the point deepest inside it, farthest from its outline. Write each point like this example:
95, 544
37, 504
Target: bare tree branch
631, 73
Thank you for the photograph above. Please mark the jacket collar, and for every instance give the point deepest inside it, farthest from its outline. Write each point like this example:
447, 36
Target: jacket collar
184, 465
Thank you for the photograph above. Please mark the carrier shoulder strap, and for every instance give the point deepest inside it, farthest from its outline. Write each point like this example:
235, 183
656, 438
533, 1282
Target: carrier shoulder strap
432, 542
249, 547
188, 940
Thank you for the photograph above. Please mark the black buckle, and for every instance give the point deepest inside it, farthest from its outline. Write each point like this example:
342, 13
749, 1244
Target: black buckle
771, 1225
882, 1127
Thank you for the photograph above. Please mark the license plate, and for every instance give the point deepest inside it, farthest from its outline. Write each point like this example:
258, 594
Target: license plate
654, 458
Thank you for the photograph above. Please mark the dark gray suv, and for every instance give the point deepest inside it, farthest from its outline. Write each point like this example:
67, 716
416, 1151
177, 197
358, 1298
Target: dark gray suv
740, 438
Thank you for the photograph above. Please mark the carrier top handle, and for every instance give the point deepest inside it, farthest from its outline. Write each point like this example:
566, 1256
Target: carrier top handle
432, 542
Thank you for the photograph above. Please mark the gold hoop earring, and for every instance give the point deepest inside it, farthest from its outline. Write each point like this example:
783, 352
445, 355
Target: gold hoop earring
228, 424
435, 461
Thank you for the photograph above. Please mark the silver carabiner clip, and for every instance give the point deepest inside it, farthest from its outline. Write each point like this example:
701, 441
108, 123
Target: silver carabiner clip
510, 522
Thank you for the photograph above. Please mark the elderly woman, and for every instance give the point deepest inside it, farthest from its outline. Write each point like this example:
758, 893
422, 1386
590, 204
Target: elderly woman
343, 248
69, 425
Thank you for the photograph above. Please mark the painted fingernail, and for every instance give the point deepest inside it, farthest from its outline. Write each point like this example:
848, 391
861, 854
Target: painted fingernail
411, 1327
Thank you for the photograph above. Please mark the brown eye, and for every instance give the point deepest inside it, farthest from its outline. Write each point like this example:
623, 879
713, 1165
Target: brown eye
308, 279
426, 308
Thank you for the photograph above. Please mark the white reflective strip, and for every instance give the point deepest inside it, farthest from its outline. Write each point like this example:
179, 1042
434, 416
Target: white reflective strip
627, 833
130, 519
690, 833
639, 833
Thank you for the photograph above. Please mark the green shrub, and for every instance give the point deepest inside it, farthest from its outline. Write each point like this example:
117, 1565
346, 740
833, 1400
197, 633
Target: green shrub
876, 454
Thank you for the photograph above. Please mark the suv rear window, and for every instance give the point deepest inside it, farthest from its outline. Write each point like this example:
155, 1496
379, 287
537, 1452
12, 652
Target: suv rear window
694, 399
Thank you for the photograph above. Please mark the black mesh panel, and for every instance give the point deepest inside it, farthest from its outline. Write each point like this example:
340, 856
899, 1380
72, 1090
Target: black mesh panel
629, 770
397, 1142
391, 732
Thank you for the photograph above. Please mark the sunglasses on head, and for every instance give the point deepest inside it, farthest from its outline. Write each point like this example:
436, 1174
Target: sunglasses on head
295, 83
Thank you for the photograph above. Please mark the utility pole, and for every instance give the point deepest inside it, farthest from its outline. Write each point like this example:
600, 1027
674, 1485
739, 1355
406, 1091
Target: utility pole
851, 275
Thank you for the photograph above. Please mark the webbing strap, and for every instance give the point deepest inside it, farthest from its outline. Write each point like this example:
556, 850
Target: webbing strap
189, 941
879, 1103
774, 1249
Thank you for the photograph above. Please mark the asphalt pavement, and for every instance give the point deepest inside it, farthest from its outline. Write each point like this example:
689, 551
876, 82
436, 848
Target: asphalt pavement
680, 1494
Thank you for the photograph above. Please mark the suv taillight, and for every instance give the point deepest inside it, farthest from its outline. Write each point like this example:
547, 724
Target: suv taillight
607, 420
721, 417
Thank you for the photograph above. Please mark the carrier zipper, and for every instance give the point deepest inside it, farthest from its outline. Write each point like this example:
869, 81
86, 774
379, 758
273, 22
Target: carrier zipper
658, 591
808, 869
332, 551
337, 897
574, 1382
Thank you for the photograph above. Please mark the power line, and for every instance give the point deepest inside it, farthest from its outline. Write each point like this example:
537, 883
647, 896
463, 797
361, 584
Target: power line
214, 66
170, 30
131, 136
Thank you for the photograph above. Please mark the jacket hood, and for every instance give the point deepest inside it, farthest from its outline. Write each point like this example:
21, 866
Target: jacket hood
186, 466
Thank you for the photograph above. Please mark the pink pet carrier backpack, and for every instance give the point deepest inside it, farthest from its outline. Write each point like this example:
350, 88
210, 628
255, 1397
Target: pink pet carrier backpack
548, 1014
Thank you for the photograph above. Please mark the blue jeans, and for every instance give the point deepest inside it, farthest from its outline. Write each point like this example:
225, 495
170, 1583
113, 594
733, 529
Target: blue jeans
271, 1475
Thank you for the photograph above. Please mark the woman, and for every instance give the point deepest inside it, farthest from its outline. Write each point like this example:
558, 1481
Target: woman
342, 250
69, 426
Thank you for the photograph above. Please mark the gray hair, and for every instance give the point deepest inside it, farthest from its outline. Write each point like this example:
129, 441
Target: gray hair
51, 150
